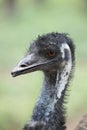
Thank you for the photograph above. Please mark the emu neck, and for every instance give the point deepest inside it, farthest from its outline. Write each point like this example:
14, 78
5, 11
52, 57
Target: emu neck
49, 107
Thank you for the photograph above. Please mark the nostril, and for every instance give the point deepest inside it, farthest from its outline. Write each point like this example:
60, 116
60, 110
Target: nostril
23, 65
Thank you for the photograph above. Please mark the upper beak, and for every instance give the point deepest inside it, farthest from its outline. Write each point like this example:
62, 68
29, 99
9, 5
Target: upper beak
28, 64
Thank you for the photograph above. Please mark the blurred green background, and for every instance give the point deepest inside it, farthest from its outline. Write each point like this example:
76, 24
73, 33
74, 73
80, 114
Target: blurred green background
20, 23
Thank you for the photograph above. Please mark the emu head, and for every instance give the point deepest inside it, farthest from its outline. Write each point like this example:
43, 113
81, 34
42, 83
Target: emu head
48, 53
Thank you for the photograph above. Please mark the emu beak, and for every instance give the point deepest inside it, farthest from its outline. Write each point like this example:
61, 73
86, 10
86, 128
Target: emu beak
28, 64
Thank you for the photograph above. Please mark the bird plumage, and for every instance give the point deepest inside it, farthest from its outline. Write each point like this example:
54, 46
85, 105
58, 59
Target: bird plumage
54, 54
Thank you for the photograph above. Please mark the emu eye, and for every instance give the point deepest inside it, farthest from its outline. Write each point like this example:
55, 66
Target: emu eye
51, 54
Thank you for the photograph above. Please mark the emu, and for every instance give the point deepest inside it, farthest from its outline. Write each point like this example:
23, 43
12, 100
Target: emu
54, 54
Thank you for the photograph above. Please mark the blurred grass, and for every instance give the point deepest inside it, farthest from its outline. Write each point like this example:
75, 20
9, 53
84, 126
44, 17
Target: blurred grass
18, 96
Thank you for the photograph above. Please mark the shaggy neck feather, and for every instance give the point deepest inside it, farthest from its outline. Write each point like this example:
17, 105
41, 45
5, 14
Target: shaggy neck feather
49, 107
